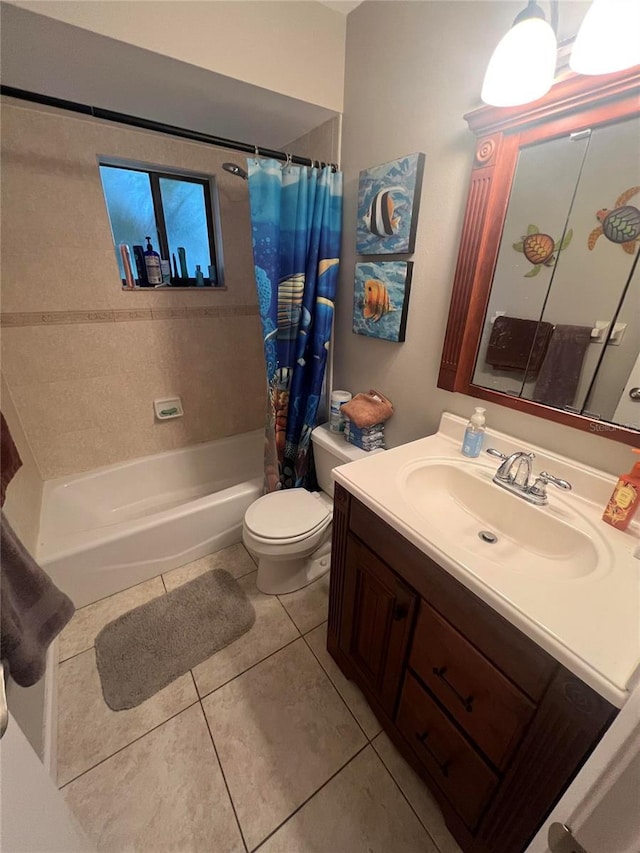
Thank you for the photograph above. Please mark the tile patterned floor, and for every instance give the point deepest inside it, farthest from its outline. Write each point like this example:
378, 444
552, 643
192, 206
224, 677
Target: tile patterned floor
265, 745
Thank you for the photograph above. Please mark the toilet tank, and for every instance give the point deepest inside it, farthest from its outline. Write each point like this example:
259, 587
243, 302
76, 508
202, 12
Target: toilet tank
331, 449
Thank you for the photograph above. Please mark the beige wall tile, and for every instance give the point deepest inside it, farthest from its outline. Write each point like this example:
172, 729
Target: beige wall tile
81, 450
57, 353
63, 282
84, 391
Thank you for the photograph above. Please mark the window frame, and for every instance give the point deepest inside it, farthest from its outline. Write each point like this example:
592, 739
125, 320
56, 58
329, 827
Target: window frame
212, 214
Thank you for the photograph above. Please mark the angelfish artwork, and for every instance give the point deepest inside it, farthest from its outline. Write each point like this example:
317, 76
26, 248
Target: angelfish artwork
381, 299
388, 200
620, 225
540, 249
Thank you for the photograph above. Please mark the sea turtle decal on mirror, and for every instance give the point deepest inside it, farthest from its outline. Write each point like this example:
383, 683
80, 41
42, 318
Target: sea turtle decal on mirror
540, 249
620, 225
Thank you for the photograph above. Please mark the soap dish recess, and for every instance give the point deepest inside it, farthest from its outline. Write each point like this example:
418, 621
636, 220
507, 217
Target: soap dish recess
171, 407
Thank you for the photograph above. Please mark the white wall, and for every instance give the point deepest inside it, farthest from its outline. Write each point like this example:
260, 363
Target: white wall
295, 48
413, 69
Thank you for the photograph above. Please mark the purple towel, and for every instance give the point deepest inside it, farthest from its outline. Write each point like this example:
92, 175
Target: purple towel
517, 344
560, 372
33, 610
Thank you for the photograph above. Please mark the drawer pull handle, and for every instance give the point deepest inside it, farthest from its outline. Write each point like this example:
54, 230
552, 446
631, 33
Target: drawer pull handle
443, 767
466, 701
400, 611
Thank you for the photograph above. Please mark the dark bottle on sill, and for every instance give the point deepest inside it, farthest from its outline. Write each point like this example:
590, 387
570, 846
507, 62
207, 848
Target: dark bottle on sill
138, 255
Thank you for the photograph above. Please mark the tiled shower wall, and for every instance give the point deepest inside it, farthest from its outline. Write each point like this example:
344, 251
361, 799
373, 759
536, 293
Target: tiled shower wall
84, 360
323, 142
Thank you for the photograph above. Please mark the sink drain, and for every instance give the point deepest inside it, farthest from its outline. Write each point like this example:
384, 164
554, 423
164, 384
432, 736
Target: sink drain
488, 536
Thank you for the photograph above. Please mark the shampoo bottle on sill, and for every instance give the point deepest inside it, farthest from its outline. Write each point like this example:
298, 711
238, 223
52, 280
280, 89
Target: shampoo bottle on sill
625, 499
474, 434
152, 264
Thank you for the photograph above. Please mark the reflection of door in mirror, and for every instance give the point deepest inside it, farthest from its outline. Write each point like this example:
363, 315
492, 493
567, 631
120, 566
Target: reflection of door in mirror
619, 371
565, 268
627, 411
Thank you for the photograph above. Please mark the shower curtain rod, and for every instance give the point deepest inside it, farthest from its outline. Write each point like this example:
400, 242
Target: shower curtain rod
148, 124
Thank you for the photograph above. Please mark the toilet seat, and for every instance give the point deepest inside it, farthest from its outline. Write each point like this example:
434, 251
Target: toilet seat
287, 516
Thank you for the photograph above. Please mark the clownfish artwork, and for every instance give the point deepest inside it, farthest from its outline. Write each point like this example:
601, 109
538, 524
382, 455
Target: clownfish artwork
381, 299
376, 301
381, 218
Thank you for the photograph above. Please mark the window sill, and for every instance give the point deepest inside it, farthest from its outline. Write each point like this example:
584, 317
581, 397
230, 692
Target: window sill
206, 287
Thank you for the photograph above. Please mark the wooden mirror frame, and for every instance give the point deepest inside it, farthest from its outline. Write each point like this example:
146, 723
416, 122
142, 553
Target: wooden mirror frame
574, 103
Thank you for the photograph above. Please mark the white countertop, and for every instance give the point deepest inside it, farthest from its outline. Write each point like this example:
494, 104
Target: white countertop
590, 624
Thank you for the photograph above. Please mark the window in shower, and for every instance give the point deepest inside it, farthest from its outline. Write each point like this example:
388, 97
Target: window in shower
178, 210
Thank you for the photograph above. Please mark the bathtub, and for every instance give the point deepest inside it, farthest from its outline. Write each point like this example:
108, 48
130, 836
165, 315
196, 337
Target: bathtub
112, 528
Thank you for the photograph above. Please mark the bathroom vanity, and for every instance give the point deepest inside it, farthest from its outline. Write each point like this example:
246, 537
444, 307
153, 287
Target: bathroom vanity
493, 703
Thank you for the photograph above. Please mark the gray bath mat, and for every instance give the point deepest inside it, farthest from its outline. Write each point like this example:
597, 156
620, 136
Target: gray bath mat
144, 650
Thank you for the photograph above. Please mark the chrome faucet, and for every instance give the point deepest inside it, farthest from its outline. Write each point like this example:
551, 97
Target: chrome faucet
514, 475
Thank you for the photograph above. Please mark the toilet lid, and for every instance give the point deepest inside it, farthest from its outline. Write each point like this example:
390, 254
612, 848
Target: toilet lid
286, 514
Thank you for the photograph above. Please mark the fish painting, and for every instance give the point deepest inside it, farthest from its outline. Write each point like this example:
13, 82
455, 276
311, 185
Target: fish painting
382, 218
381, 299
376, 301
388, 199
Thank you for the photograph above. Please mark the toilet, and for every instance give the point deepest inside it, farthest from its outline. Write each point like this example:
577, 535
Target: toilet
289, 531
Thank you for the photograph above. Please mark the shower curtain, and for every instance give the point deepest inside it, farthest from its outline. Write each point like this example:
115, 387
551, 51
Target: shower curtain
296, 221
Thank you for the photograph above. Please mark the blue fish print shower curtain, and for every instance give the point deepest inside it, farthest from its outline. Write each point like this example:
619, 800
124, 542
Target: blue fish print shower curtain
296, 220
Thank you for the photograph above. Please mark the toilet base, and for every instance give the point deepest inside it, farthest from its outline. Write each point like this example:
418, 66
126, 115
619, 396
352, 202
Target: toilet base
277, 577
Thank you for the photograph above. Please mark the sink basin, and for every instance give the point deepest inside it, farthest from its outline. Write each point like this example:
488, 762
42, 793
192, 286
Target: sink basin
466, 510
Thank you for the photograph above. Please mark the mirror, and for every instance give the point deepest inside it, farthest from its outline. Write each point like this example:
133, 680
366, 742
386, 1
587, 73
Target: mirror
545, 310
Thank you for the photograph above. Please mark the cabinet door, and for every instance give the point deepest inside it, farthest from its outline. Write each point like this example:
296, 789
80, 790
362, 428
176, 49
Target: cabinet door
377, 616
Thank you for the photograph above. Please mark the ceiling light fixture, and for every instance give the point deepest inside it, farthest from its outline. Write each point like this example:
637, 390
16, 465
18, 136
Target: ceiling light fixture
523, 64
609, 38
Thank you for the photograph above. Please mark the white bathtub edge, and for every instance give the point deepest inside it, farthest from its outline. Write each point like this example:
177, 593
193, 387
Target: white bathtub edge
50, 717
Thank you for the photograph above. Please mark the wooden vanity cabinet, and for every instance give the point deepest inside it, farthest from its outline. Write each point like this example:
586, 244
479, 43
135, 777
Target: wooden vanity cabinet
493, 724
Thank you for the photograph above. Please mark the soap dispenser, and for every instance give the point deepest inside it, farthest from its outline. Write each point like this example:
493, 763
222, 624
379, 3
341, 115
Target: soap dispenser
474, 433
152, 264
625, 499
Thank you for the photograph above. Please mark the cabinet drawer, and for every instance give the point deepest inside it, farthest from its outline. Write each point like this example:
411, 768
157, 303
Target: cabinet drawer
492, 711
452, 762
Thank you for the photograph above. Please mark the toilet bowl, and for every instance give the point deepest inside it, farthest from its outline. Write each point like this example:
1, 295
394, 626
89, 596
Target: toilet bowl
289, 531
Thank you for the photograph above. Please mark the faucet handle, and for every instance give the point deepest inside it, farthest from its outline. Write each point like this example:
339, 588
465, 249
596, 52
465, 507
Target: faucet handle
493, 452
557, 481
539, 488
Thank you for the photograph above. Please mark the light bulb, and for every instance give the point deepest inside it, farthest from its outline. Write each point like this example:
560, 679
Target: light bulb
522, 66
609, 38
